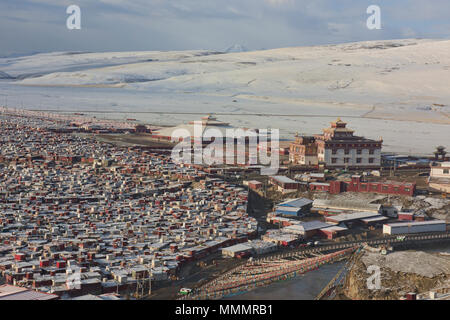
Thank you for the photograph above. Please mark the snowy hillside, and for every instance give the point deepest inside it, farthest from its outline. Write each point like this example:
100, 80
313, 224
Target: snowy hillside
389, 76
400, 80
236, 48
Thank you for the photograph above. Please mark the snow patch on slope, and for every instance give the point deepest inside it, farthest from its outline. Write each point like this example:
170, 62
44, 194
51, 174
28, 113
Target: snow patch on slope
396, 79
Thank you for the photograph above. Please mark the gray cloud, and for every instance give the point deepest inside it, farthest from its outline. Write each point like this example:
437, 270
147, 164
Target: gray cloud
39, 25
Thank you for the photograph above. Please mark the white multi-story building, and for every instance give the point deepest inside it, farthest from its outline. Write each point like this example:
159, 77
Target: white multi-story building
440, 176
414, 227
337, 147
440, 170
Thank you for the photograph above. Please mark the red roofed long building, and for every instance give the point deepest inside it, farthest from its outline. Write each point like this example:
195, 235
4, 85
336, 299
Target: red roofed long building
357, 184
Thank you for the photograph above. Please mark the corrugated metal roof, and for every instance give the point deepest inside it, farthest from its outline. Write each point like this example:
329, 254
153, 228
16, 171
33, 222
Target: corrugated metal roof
307, 226
416, 223
238, 247
349, 205
380, 218
30, 295
283, 179
313, 225
353, 216
295, 203
8, 289
334, 228
8, 292
287, 210
87, 297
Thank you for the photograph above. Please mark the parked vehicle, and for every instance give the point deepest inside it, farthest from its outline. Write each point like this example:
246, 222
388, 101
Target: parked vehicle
185, 291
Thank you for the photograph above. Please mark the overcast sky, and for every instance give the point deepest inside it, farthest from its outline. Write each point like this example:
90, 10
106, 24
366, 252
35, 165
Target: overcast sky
125, 25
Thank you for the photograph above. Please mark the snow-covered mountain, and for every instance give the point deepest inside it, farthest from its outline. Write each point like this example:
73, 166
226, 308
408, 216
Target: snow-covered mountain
4, 75
399, 80
236, 48
380, 76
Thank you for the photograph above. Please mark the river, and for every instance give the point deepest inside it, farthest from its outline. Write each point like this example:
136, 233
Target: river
309, 285
305, 287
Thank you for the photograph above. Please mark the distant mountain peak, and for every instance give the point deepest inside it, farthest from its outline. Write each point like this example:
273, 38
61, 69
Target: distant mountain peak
4, 75
236, 48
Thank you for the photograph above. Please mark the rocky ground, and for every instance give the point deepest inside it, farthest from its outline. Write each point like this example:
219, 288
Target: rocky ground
434, 207
401, 272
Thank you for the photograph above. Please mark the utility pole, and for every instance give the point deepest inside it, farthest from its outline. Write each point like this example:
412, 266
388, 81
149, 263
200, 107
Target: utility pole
143, 285
266, 182
149, 284
136, 294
